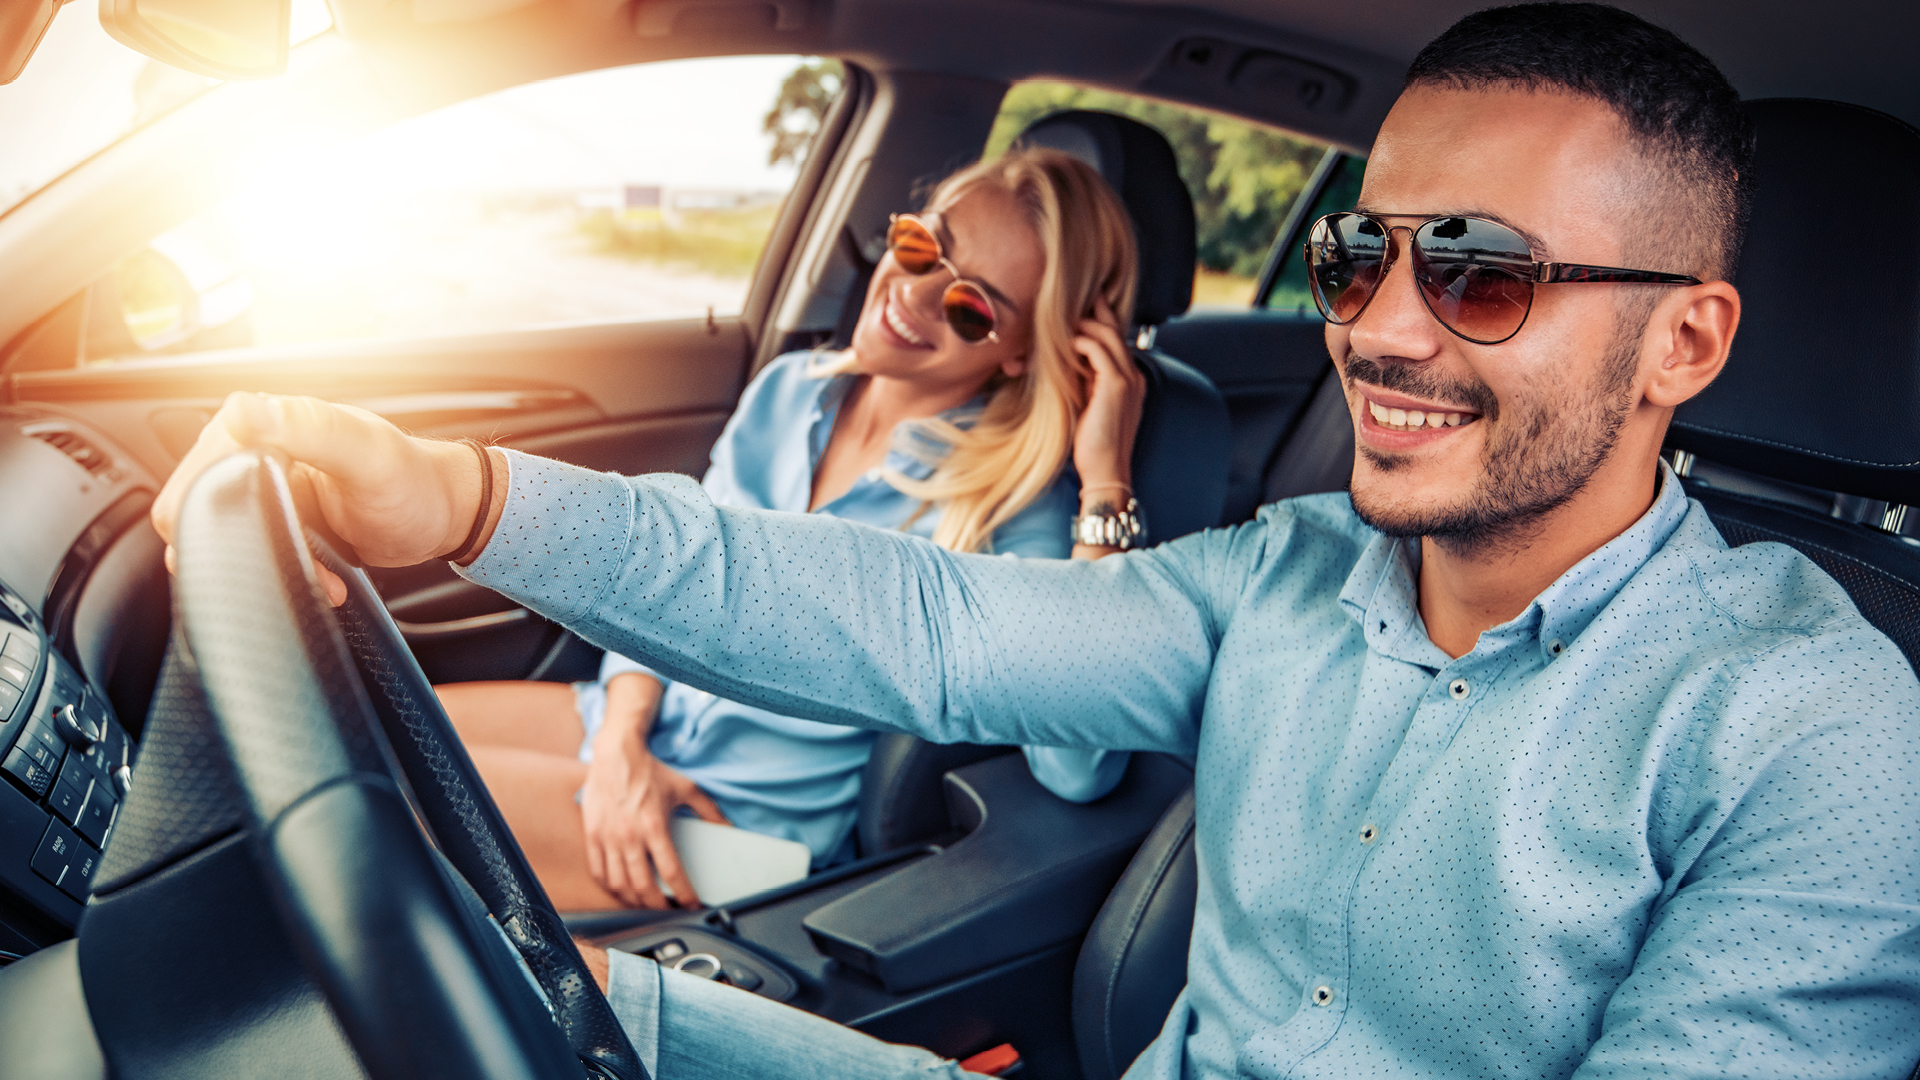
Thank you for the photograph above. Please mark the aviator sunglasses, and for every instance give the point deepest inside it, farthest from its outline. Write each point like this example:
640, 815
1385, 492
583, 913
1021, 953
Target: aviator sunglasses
916, 250
1476, 276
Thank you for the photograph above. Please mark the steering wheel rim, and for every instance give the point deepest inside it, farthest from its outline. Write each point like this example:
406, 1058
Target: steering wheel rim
327, 761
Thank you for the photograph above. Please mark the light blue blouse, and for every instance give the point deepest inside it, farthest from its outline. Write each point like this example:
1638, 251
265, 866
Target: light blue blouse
800, 779
1665, 822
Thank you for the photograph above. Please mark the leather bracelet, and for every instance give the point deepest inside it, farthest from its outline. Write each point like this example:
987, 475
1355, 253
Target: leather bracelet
486, 502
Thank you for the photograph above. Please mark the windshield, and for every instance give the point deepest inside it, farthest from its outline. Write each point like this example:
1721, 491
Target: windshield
83, 91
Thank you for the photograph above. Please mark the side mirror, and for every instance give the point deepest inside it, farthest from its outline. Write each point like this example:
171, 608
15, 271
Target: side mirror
22, 25
158, 306
222, 39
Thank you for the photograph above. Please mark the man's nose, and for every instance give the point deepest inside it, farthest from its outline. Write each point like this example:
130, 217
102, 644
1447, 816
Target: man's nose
1396, 322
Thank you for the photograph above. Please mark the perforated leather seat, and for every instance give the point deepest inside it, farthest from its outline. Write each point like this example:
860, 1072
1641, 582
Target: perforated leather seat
1180, 456
1807, 439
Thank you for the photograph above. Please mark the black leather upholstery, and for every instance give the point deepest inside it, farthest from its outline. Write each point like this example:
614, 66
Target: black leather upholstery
1140, 165
1824, 378
1823, 383
1180, 457
1134, 960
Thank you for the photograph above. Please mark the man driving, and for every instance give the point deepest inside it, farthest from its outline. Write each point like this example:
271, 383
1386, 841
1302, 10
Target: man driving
1506, 763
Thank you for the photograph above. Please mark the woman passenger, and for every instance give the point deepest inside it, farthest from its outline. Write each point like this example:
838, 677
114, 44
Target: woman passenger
987, 395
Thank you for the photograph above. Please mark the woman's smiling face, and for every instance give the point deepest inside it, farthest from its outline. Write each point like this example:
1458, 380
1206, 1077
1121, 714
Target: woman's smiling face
903, 331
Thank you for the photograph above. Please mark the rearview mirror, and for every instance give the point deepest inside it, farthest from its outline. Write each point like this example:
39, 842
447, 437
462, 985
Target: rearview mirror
223, 39
22, 25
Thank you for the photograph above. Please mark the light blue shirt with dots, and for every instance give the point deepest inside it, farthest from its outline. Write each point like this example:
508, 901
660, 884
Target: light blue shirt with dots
784, 775
1664, 823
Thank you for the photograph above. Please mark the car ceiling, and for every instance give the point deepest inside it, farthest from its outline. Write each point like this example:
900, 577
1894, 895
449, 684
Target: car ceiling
1851, 50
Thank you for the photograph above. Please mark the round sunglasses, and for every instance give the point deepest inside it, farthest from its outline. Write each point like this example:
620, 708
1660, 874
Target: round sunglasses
916, 250
1476, 276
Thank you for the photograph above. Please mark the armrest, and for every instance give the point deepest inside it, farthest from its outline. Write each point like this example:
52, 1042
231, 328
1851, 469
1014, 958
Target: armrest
1031, 872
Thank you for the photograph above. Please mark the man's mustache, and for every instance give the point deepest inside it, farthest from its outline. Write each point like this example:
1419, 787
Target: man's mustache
1417, 380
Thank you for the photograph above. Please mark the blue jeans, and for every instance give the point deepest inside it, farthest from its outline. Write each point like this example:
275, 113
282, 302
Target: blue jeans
687, 1028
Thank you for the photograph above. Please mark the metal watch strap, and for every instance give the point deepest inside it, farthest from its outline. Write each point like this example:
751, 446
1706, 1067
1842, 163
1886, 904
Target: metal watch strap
1124, 529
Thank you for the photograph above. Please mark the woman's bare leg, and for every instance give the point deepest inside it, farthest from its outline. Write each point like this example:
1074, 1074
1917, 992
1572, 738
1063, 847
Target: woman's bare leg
525, 737
538, 716
535, 794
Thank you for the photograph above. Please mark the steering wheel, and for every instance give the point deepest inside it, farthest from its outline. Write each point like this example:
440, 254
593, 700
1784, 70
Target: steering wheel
342, 752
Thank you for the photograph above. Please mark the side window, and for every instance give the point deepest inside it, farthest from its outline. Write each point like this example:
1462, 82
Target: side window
1287, 293
637, 192
1244, 178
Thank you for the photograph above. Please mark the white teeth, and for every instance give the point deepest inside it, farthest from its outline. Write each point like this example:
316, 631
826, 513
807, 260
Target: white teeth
901, 328
1415, 419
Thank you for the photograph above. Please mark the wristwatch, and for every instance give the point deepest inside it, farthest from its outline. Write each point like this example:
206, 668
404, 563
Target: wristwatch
1125, 529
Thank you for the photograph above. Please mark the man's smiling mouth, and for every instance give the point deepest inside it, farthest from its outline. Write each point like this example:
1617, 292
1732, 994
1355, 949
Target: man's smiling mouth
1416, 419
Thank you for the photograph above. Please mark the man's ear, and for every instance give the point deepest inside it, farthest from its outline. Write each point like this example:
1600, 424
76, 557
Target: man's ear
1687, 341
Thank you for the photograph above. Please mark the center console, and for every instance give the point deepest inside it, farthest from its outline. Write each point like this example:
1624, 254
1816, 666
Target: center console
67, 763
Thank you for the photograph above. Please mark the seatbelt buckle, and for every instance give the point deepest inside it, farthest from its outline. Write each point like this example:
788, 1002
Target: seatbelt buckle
1002, 1060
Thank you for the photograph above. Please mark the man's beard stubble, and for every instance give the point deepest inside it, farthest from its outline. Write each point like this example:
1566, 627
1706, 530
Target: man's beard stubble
1544, 450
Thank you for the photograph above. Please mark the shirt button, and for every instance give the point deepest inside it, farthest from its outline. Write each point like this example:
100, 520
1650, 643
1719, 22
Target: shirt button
1368, 833
1556, 646
871, 475
1459, 689
1323, 995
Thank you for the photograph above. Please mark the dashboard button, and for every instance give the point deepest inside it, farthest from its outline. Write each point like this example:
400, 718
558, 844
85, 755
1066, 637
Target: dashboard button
68, 799
10, 696
58, 851
22, 647
27, 772
97, 818
11, 671
80, 882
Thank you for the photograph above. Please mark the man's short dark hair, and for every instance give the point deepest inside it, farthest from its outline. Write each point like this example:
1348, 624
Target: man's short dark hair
1683, 112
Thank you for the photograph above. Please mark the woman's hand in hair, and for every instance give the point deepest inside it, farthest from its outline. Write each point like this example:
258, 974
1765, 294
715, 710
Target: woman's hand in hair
1116, 389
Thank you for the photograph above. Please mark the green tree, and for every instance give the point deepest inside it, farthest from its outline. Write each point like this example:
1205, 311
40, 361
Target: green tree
800, 108
1243, 178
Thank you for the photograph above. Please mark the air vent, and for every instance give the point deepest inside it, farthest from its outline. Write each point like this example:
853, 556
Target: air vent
73, 444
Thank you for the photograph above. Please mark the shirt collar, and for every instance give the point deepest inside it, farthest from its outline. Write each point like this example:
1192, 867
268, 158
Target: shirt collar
1382, 592
915, 452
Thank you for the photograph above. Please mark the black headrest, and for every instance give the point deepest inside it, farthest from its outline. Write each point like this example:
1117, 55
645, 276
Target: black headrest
1823, 384
1137, 161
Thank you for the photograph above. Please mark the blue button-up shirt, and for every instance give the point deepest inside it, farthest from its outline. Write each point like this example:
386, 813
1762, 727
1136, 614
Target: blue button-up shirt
796, 778
1663, 823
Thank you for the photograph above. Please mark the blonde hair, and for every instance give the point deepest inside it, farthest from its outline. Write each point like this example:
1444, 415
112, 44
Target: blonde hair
1024, 434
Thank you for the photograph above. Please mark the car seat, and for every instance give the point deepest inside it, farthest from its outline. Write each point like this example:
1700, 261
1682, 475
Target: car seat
1180, 456
1806, 439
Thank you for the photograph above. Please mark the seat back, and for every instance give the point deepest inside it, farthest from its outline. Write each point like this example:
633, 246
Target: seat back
1808, 436
1180, 455
1133, 962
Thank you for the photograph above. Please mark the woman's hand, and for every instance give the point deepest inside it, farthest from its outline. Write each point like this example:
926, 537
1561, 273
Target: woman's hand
395, 499
627, 807
1103, 440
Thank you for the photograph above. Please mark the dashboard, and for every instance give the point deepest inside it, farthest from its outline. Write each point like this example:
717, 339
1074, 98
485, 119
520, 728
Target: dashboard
81, 592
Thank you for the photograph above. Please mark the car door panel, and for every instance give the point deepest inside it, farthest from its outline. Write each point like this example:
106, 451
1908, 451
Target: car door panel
631, 398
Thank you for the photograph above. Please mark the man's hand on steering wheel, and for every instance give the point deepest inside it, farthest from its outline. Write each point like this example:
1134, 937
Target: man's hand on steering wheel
629, 801
394, 499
